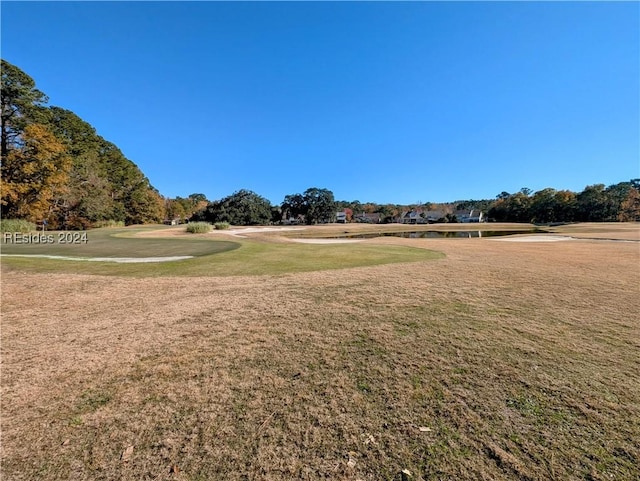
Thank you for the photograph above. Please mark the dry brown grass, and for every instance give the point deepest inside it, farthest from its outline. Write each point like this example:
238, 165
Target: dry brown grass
602, 230
521, 359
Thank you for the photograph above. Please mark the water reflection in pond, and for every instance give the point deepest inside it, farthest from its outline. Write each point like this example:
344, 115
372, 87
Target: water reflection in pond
432, 234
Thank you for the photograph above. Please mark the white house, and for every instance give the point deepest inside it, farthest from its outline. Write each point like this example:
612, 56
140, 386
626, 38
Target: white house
470, 216
419, 216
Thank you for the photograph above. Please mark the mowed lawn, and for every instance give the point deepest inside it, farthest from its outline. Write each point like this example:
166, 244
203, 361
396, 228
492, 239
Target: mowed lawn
499, 360
213, 255
111, 242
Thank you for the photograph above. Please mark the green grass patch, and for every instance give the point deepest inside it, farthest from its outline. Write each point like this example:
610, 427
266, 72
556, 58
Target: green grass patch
212, 257
108, 223
16, 225
198, 227
222, 225
91, 401
526, 405
120, 242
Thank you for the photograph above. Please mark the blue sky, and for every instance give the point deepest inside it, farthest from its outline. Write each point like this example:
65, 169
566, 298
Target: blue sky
390, 102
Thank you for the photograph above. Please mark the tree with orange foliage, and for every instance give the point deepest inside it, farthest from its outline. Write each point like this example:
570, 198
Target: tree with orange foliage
630, 207
34, 175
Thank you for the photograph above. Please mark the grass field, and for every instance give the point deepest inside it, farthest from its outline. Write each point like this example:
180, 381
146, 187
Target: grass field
214, 255
491, 361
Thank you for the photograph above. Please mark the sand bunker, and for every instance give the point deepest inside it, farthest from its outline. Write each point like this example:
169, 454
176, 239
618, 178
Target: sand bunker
534, 238
258, 230
120, 260
327, 241
254, 230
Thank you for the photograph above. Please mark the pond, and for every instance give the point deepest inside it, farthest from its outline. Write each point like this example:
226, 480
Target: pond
433, 234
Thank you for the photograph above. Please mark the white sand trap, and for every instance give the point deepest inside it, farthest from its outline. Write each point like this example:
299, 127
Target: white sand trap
254, 230
120, 260
327, 241
534, 238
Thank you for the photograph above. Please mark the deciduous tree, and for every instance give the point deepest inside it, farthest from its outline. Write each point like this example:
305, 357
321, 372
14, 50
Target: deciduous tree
320, 205
34, 176
630, 207
293, 206
19, 99
240, 208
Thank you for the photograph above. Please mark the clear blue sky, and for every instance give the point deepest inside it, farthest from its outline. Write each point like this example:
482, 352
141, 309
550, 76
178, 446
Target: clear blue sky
385, 101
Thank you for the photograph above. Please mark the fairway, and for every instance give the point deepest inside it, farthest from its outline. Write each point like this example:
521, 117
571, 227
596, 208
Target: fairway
491, 360
214, 255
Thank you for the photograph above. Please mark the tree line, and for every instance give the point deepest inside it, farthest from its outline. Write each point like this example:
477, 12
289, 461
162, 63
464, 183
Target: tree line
56, 168
245, 207
596, 203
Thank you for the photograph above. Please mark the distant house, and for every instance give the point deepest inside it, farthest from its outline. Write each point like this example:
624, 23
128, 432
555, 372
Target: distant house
469, 216
294, 220
412, 217
415, 216
341, 217
374, 218
419, 216
434, 216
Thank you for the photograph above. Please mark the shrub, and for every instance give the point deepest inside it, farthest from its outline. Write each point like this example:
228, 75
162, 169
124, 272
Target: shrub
16, 225
198, 227
108, 223
221, 225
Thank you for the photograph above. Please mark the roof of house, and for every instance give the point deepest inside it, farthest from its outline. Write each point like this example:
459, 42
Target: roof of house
434, 214
468, 213
411, 213
427, 214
